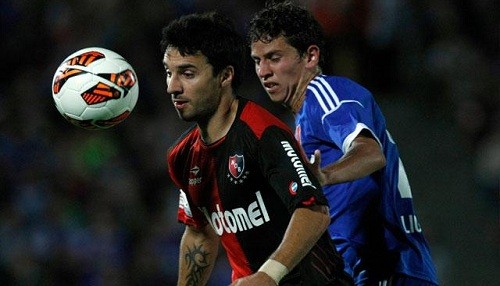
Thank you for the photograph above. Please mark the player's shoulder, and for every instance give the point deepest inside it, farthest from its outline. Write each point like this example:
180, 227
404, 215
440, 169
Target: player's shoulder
178, 153
187, 138
331, 91
258, 118
324, 82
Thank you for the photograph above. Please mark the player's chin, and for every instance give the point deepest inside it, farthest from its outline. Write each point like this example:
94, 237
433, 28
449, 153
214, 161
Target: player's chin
182, 115
276, 97
187, 117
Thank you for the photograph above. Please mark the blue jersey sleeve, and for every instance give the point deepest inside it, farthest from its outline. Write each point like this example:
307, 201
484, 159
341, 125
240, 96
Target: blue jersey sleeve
353, 113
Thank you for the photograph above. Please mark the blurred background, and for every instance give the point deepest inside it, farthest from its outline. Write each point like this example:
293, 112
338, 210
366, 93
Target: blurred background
81, 207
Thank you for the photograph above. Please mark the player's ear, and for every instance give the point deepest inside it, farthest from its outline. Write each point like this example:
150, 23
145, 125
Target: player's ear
312, 56
227, 75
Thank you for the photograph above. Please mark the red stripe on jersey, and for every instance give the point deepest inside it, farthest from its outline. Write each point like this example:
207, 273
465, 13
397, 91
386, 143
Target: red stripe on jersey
235, 254
179, 175
258, 119
173, 154
236, 257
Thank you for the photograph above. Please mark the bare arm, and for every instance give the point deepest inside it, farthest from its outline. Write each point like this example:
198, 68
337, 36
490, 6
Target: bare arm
197, 255
305, 228
363, 157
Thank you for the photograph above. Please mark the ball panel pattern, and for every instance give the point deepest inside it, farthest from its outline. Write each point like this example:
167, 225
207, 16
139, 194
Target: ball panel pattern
95, 88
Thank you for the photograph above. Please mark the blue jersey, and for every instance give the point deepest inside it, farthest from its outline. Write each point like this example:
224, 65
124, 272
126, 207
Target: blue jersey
373, 219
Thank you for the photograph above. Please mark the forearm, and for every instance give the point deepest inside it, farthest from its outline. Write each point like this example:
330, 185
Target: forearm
362, 159
305, 228
197, 256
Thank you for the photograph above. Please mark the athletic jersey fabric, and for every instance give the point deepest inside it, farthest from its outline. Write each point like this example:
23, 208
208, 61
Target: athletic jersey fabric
373, 224
246, 186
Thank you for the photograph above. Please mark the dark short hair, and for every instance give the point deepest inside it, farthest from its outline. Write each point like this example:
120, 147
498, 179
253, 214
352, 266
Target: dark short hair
295, 23
211, 34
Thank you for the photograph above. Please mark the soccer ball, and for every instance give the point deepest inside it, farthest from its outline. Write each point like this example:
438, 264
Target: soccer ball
95, 88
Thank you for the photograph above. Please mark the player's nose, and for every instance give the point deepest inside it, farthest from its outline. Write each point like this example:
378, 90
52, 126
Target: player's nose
263, 70
173, 85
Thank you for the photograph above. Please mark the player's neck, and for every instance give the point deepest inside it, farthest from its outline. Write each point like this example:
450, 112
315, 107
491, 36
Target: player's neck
220, 123
297, 100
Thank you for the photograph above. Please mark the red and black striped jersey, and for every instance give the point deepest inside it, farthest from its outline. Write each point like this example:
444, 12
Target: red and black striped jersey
246, 186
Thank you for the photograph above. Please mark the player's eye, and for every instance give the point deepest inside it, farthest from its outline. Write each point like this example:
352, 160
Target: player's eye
275, 58
188, 74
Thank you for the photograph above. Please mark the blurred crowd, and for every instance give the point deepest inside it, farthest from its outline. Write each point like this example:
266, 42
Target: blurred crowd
81, 207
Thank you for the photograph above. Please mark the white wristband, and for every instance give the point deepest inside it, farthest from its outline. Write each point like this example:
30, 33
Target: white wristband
274, 269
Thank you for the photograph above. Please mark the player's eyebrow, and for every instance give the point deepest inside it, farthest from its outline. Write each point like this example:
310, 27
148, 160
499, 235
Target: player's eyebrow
267, 55
186, 66
181, 66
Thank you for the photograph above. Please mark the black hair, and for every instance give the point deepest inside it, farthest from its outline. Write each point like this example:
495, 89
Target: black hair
295, 23
213, 35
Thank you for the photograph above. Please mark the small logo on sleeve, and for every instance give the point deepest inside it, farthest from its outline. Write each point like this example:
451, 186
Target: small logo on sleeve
292, 188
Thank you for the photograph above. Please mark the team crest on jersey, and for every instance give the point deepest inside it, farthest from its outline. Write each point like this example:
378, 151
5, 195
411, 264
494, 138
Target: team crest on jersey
236, 165
237, 172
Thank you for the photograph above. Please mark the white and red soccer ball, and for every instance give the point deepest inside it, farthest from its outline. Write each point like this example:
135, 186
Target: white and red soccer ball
95, 88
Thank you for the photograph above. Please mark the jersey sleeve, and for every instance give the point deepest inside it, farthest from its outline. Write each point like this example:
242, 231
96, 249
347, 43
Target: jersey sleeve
284, 165
187, 213
351, 117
